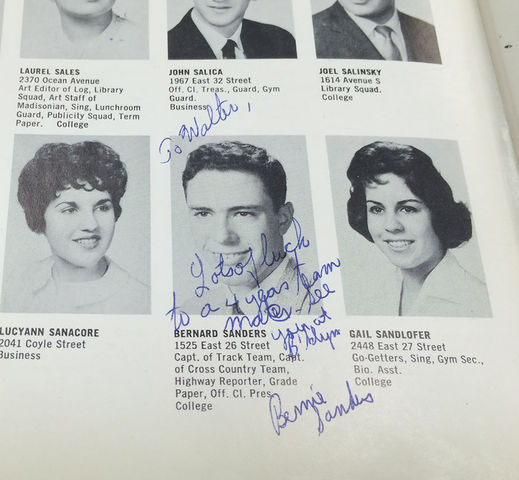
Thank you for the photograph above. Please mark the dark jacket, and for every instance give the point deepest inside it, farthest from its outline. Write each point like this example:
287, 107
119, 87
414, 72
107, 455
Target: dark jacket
185, 42
338, 36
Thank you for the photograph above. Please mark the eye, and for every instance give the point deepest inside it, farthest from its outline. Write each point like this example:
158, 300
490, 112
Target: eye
375, 209
245, 214
201, 214
409, 209
69, 210
105, 207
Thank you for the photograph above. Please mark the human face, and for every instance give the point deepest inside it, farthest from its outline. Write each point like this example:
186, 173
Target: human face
229, 211
379, 11
400, 224
79, 226
223, 15
85, 8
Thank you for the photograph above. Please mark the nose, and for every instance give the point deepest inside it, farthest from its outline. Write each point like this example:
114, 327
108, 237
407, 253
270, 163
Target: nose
88, 221
224, 233
393, 223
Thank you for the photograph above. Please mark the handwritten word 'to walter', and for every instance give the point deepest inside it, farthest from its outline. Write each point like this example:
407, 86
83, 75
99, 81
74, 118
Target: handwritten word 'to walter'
220, 112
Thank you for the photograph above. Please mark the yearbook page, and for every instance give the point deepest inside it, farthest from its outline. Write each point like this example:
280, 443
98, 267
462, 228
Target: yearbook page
499, 21
255, 239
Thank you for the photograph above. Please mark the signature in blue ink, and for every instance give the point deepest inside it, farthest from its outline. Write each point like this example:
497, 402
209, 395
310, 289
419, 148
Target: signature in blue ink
265, 301
177, 316
220, 112
315, 293
268, 258
267, 305
301, 241
311, 336
261, 297
235, 270
281, 418
221, 270
270, 312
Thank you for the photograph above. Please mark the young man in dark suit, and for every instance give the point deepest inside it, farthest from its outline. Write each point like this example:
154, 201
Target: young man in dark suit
373, 30
216, 29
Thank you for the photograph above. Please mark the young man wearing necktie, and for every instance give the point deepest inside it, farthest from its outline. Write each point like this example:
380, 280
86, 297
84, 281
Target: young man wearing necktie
217, 29
373, 30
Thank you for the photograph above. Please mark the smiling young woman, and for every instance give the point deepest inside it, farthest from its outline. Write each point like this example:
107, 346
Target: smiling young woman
401, 203
89, 29
71, 193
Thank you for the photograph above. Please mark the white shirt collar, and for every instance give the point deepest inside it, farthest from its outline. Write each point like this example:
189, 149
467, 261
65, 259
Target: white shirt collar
436, 286
368, 27
215, 39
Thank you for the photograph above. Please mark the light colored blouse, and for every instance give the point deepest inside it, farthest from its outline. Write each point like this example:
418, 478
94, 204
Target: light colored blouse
448, 291
116, 292
122, 39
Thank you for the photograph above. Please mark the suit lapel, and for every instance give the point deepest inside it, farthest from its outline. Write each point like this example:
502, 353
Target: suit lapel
354, 42
198, 48
251, 47
408, 35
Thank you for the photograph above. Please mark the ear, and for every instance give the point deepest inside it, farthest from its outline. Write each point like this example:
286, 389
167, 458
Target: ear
285, 215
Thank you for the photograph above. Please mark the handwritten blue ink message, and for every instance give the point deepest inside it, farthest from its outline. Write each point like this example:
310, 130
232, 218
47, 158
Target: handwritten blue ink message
218, 113
306, 333
268, 304
317, 403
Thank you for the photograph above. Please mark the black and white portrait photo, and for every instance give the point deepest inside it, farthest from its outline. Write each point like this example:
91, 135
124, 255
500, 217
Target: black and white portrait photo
78, 226
405, 228
230, 29
375, 30
251, 236
85, 29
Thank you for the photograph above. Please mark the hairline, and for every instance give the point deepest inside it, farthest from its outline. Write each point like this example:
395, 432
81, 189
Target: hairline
233, 169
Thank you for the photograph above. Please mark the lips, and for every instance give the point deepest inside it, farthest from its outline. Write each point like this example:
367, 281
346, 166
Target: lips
88, 243
230, 258
219, 8
398, 245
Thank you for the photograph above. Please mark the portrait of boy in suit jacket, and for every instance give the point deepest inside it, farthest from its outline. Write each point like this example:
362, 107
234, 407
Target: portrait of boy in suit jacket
373, 30
217, 29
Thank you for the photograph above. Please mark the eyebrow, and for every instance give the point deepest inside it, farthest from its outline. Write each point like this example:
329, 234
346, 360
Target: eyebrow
246, 207
199, 208
70, 204
103, 201
409, 200
231, 209
75, 205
